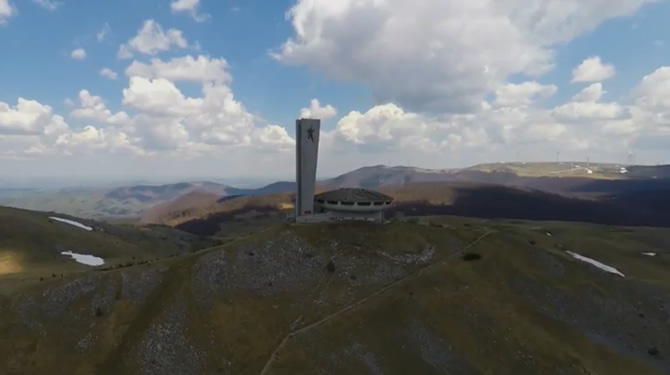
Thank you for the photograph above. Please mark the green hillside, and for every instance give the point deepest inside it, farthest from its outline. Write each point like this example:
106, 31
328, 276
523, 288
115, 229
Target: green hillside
442, 296
31, 244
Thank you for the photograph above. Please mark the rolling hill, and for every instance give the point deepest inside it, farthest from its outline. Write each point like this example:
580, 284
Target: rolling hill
206, 214
129, 201
32, 243
570, 179
559, 178
458, 296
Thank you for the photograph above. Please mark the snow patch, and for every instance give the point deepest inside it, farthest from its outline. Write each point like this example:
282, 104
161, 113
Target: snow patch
649, 254
71, 222
89, 260
594, 262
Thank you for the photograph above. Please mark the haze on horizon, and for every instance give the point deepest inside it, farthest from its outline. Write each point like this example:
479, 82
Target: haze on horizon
189, 90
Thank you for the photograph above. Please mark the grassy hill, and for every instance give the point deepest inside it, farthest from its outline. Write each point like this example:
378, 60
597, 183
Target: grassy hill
31, 244
458, 296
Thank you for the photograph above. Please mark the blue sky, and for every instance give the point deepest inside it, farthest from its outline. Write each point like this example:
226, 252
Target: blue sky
419, 86
240, 31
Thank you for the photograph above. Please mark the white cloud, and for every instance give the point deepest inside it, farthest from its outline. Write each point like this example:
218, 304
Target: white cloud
201, 69
159, 97
78, 54
49, 5
102, 34
27, 117
93, 107
385, 127
170, 120
512, 94
152, 39
591, 93
425, 57
652, 96
275, 135
653, 92
108, 73
582, 111
592, 70
190, 7
315, 110
6, 11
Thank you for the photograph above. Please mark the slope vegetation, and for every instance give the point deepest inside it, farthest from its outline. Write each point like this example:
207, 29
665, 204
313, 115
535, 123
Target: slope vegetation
31, 243
460, 296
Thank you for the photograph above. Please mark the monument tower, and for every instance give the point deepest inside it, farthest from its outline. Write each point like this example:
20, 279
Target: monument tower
333, 205
307, 154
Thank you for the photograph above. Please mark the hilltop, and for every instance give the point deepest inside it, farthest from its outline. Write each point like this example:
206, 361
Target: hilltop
458, 296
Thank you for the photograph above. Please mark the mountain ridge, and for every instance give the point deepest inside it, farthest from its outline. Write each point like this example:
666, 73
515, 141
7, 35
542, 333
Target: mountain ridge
133, 201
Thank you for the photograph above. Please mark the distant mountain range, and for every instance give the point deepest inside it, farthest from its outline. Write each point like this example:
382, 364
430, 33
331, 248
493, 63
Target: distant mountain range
571, 179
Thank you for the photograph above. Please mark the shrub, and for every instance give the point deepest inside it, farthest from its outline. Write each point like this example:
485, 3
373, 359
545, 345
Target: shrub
471, 256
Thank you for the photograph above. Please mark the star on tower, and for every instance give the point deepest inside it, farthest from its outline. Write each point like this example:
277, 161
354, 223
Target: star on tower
310, 134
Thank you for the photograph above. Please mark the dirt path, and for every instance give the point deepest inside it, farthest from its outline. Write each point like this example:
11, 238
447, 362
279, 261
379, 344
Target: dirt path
364, 300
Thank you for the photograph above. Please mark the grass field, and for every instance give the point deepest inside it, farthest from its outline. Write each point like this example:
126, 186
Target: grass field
31, 244
356, 298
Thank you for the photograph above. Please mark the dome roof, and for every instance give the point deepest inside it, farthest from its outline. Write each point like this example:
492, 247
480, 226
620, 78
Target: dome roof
353, 195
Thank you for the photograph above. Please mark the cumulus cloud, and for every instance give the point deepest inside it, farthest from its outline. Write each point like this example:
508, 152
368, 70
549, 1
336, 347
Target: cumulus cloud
424, 57
514, 122
592, 70
108, 73
591, 93
28, 117
93, 107
512, 94
170, 120
78, 54
190, 7
653, 92
6, 11
315, 110
187, 68
152, 39
386, 127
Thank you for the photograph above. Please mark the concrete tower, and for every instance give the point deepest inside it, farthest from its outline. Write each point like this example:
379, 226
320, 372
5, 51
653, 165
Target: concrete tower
307, 153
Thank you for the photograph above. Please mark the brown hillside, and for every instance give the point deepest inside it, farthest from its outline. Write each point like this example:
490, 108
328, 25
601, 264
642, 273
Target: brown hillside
198, 206
193, 204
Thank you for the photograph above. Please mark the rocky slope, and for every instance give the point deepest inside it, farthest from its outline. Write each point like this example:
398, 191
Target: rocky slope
459, 296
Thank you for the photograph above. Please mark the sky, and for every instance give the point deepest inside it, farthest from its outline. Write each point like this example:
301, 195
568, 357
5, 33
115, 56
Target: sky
189, 89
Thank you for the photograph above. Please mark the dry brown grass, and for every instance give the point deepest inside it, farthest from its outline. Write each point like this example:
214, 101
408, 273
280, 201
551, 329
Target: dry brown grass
9, 263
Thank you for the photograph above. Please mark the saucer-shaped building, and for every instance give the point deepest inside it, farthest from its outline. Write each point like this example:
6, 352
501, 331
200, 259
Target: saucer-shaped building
352, 203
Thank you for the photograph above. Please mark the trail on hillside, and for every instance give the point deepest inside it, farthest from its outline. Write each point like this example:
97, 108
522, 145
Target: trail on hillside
363, 300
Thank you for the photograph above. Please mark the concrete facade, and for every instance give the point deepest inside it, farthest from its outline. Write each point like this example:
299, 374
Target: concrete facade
307, 133
350, 204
